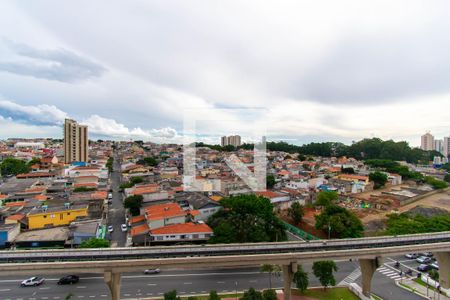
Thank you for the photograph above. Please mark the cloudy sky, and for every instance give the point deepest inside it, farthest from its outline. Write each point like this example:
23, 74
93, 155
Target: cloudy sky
319, 70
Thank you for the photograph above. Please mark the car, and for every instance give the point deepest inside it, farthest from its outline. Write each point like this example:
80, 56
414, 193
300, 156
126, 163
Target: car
152, 271
69, 279
435, 266
423, 260
412, 255
423, 268
110, 196
427, 254
124, 227
110, 228
33, 281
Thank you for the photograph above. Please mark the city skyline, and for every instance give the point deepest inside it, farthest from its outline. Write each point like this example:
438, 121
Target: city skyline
320, 76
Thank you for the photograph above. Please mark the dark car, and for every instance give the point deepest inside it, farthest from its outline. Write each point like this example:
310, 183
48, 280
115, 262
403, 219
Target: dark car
424, 268
69, 279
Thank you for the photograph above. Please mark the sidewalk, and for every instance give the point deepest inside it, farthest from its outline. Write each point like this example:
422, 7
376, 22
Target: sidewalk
420, 289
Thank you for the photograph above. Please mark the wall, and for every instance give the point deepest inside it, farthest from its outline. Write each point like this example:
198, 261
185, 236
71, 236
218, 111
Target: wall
56, 218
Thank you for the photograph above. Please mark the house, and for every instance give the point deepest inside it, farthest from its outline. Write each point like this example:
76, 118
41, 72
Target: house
160, 215
198, 202
83, 230
176, 233
51, 237
8, 232
55, 216
274, 197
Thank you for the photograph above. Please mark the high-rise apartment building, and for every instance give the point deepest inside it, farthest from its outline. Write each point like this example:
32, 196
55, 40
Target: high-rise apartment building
234, 140
446, 146
427, 142
75, 142
439, 146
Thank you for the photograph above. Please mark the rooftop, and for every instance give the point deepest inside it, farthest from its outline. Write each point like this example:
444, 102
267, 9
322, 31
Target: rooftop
182, 228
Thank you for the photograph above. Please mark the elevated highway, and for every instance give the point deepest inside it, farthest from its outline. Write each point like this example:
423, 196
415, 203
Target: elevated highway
114, 261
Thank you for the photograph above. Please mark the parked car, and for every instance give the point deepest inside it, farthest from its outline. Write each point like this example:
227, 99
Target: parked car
69, 279
412, 255
110, 196
424, 268
435, 266
110, 228
33, 281
124, 227
423, 260
152, 271
427, 254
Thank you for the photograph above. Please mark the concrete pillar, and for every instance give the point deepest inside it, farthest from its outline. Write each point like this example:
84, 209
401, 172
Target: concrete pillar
113, 279
368, 267
288, 274
443, 259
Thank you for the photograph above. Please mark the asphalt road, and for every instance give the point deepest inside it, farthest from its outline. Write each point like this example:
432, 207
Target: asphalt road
186, 282
116, 211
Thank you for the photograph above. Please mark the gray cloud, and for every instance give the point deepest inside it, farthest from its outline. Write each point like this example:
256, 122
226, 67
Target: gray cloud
56, 64
41, 114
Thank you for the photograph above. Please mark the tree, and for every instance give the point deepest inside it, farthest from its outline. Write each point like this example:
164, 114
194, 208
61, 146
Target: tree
82, 189
171, 295
269, 295
447, 178
404, 223
436, 183
323, 270
134, 204
301, 279
246, 219
94, 243
12, 166
192, 298
347, 170
270, 269
252, 294
296, 212
109, 164
213, 295
136, 180
150, 161
270, 181
326, 198
379, 179
339, 222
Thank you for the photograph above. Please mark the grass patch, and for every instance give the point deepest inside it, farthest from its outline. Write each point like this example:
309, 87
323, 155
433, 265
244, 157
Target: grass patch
230, 295
339, 293
376, 297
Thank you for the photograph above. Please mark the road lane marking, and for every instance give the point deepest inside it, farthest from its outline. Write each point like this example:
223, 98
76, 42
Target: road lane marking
187, 282
81, 287
4, 290
152, 284
220, 282
44, 288
253, 281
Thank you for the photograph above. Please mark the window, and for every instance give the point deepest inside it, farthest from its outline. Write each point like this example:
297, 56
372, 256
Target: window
68, 213
61, 216
44, 216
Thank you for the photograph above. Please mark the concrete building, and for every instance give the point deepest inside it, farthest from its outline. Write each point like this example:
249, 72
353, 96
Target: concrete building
75, 142
427, 142
446, 146
439, 146
55, 216
234, 140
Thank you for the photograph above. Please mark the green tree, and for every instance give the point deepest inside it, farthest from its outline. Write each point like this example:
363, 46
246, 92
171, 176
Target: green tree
270, 181
33, 161
296, 212
252, 294
12, 166
82, 189
339, 222
323, 270
347, 170
171, 295
246, 219
109, 164
301, 279
404, 223
271, 270
436, 183
326, 198
447, 178
137, 179
192, 298
378, 178
150, 161
269, 295
94, 243
134, 204
213, 295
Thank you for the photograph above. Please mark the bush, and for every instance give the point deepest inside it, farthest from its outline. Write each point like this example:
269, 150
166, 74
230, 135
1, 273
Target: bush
94, 243
213, 295
172, 295
269, 295
81, 189
436, 183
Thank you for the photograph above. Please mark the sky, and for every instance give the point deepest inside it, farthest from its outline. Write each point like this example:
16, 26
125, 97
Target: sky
317, 70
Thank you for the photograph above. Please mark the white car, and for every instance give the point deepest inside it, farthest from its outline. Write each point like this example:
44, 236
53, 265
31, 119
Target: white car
110, 228
152, 271
110, 196
124, 227
33, 281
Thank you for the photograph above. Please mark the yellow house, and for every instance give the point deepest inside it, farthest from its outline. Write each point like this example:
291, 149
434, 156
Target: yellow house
55, 216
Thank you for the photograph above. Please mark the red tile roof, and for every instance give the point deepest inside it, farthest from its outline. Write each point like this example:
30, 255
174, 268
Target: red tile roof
165, 210
182, 228
140, 229
16, 217
137, 219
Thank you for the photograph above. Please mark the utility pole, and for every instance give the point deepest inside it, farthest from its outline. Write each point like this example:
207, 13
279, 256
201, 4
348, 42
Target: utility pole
329, 230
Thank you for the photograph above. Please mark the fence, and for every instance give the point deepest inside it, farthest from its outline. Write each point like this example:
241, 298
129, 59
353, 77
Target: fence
298, 232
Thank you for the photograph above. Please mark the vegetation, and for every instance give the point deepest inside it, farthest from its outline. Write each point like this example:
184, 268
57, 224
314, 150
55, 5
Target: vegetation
341, 293
133, 181
228, 148
394, 167
12, 166
109, 164
244, 219
323, 270
339, 222
379, 179
301, 279
252, 294
447, 178
271, 270
192, 298
406, 224
148, 161
94, 243
82, 189
326, 198
296, 212
347, 170
269, 295
134, 204
436, 183
270, 181
172, 295
213, 295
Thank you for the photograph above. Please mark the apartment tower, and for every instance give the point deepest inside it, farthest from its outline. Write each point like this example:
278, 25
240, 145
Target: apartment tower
234, 140
75, 142
427, 142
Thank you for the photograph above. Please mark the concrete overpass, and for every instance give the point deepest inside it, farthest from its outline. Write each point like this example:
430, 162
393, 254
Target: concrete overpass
114, 261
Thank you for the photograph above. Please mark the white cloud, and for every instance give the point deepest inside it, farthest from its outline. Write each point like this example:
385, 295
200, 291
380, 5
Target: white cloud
41, 114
